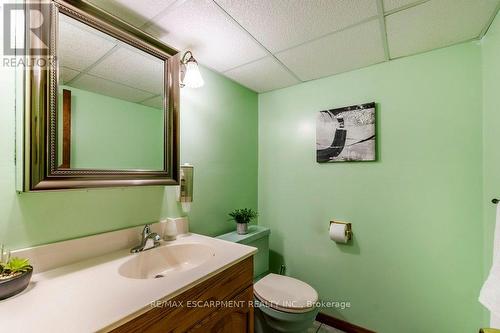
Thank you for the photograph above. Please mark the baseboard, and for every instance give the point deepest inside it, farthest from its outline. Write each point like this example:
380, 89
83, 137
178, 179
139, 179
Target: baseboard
341, 324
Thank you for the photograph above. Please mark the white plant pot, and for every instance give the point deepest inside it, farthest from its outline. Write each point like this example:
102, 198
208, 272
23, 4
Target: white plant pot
242, 228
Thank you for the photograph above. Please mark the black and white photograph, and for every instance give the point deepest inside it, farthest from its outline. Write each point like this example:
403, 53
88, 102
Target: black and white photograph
346, 134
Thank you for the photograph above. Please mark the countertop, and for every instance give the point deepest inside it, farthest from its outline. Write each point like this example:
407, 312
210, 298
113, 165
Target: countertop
91, 295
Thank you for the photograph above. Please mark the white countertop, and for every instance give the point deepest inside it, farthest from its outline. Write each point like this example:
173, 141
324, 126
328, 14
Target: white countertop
91, 295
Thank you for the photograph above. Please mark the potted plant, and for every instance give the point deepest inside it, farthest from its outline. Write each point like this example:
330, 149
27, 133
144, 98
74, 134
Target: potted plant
242, 217
15, 275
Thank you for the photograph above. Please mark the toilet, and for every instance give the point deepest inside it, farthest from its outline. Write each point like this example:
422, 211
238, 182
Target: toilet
282, 303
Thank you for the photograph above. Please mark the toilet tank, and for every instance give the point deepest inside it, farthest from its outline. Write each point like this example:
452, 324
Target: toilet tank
257, 236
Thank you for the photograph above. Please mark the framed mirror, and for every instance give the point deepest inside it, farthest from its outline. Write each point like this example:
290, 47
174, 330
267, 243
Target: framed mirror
104, 110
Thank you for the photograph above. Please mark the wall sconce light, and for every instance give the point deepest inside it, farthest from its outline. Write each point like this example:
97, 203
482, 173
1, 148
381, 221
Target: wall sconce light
190, 72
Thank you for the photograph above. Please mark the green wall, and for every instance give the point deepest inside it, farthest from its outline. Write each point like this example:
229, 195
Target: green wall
490, 50
127, 136
218, 136
490, 47
415, 264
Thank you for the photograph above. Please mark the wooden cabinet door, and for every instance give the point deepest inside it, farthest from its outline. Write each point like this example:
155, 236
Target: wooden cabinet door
234, 317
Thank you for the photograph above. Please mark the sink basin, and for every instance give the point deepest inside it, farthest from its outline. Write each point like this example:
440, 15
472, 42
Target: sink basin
165, 260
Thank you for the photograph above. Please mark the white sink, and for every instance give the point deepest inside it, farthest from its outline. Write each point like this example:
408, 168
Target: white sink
166, 260
97, 281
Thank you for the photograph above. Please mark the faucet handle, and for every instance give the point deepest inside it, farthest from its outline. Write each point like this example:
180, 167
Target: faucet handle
157, 239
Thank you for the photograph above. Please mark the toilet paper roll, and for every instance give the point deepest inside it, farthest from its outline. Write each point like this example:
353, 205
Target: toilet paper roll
338, 232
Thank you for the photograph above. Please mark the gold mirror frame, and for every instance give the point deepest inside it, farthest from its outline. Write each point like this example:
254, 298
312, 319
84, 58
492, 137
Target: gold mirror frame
41, 83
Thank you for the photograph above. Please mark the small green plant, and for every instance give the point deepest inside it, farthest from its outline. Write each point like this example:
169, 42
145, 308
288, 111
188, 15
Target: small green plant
14, 267
244, 215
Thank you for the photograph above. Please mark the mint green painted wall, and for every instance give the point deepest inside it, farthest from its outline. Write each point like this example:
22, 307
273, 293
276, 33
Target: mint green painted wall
126, 136
415, 264
218, 136
490, 50
490, 47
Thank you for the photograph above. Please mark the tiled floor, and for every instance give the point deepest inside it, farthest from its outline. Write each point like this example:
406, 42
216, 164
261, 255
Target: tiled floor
322, 328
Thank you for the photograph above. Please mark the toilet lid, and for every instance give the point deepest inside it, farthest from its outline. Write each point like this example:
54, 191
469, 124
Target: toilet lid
285, 293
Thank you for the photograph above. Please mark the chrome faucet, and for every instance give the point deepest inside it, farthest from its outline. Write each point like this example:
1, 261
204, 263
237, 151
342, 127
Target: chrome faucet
149, 240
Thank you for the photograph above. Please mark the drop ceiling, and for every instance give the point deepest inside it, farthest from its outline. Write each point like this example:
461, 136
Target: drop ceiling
93, 61
271, 44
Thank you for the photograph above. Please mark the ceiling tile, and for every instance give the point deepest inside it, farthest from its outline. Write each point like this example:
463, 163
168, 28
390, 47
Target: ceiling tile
133, 68
262, 75
280, 24
108, 88
67, 74
395, 4
216, 41
80, 45
132, 11
435, 24
349, 49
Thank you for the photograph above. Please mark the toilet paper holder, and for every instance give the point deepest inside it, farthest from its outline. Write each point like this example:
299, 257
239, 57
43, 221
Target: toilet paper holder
348, 228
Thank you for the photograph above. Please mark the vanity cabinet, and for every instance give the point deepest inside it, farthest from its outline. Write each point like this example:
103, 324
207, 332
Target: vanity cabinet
222, 303
229, 319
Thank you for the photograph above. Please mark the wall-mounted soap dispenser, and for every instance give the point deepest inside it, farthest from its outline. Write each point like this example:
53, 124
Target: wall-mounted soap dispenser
186, 187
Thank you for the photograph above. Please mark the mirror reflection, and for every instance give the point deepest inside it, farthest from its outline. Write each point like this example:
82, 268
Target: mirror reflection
110, 102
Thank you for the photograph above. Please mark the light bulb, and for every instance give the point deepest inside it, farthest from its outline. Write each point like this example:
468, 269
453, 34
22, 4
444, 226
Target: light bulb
192, 78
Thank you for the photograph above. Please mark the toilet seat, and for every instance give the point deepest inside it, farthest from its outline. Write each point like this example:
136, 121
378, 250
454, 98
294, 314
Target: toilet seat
284, 293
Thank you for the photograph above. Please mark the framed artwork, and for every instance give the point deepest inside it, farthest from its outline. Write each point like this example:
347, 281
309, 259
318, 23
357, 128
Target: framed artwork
346, 134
